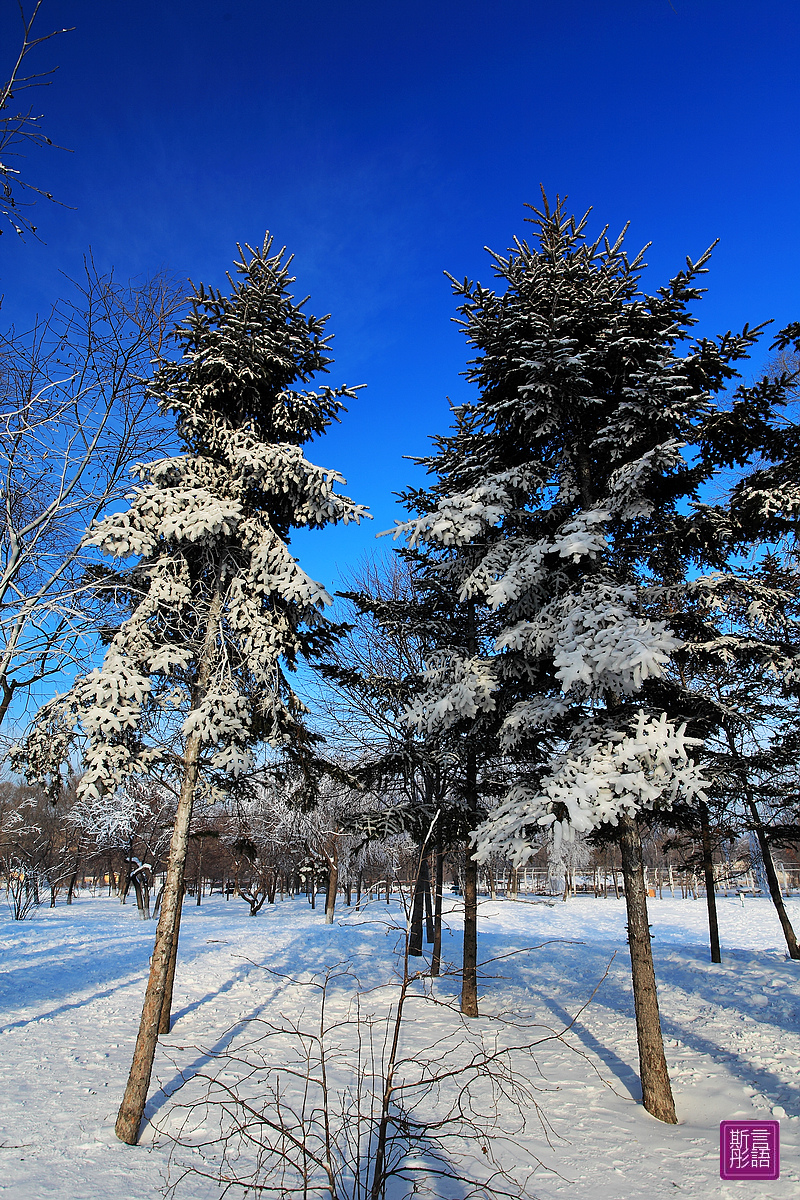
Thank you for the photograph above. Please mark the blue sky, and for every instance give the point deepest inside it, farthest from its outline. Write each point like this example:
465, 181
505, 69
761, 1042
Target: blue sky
386, 143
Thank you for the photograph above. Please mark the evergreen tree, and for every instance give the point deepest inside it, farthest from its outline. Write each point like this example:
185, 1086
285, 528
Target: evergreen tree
765, 503
194, 677
742, 659
370, 675
562, 508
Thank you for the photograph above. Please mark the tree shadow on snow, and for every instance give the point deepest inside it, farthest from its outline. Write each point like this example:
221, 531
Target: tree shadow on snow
205, 1055
38, 980
713, 1044
64, 1008
622, 1071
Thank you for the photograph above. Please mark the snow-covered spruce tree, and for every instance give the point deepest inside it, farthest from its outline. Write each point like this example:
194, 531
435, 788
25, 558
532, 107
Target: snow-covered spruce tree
561, 508
217, 605
447, 768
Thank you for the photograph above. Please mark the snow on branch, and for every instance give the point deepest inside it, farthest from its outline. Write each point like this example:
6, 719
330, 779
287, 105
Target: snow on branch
455, 687
594, 781
597, 642
460, 518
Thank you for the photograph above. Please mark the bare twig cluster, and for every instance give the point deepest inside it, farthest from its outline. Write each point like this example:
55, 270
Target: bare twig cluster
20, 127
343, 1102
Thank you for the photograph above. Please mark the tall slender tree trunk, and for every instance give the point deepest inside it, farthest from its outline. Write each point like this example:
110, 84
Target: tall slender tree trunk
333, 884
130, 1113
772, 881
73, 882
436, 956
708, 870
766, 850
199, 872
430, 933
469, 970
469, 977
132, 1107
656, 1090
421, 886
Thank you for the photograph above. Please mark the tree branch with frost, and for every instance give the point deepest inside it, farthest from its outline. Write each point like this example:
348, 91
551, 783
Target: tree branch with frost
455, 687
601, 775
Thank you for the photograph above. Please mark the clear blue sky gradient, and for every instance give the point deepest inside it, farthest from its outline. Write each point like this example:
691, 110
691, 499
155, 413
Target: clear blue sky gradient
384, 144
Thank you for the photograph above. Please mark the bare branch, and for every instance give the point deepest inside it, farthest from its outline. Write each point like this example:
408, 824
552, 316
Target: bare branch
20, 127
75, 416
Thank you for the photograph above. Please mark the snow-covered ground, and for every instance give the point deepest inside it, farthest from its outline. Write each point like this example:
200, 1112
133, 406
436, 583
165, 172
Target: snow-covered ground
72, 983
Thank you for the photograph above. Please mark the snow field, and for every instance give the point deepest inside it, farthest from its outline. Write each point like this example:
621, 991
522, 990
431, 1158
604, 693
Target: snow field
73, 979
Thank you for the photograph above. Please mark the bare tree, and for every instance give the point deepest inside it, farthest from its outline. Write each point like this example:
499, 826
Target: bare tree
19, 126
370, 674
40, 849
133, 828
75, 416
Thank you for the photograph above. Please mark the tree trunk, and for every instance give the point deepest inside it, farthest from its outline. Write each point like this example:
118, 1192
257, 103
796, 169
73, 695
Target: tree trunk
73, 882
142, 898
772, 880
436, 956
8, 689
333, 885
469, 970
656, 1090
430, 934
130, 1113
132, 1107
199, 899
766, 852
469, 977
165, 1020
708, 870
421, 886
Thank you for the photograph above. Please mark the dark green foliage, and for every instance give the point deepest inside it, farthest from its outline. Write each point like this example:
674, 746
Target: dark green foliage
245, 354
